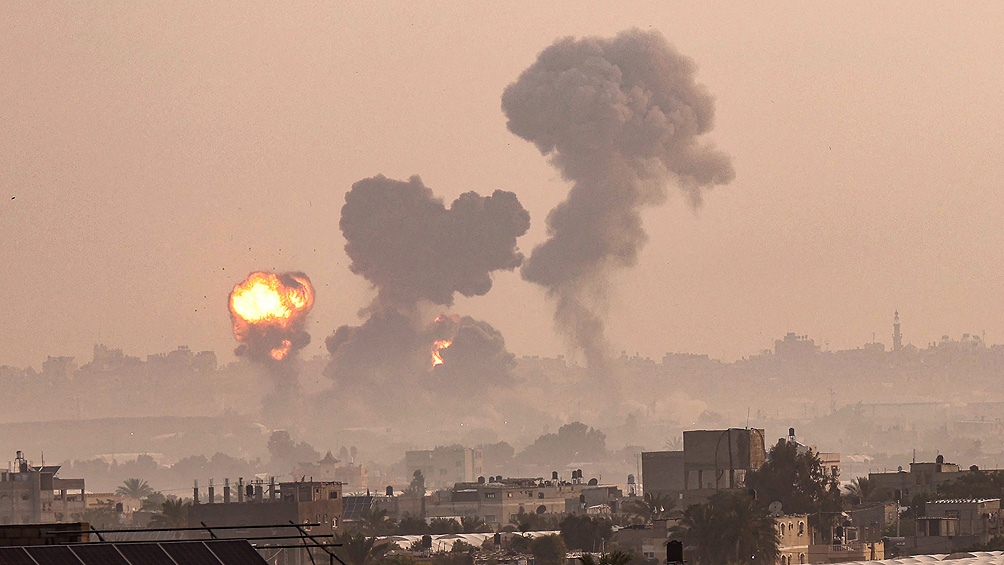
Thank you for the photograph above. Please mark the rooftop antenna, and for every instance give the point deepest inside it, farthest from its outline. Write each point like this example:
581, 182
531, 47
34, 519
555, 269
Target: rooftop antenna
747, 417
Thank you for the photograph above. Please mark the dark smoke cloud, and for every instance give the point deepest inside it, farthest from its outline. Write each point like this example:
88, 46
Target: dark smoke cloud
414, 249
621, 119
477, 356
411, 247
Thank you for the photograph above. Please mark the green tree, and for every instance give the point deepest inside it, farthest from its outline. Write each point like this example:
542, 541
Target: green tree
102, 517
860, 490
573, 442
613, 558
474, 525
412, 526
173, 514
443, 526
360, 549
376, 522
731, 528
797, 480
153, 501
287, 453
585, 533
417, 485
648, 508
548, 550
974, 484
134, 488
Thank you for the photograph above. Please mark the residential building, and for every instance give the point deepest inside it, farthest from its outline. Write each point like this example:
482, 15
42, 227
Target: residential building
957, 524
353, 477
263, 504
34, 495
922, 478
498, 500
711, 460
444, 466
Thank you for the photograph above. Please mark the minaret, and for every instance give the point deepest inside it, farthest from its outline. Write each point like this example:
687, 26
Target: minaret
897, 337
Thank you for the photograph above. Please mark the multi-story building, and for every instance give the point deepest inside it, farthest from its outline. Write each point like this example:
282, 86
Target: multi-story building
353, 477
956, 524
263, 504
711, 460
922, 478
498, 500
446, 465
34, 495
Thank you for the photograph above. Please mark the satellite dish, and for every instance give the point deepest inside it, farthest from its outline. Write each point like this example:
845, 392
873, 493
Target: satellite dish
775, 508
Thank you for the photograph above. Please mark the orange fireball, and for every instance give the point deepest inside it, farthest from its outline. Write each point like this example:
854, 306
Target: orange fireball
267, 310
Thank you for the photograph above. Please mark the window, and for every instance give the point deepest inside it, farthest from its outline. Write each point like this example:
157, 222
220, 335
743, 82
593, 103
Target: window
333, 494
801, 531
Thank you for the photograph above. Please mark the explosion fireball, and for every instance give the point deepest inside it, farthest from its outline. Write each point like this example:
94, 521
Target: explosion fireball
268, 311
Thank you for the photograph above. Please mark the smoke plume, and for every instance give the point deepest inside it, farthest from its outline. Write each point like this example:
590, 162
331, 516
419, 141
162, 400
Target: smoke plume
620, 118
471, 354
415, 250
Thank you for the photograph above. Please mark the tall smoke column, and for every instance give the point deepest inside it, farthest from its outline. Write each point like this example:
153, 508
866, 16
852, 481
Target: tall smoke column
414, 249
620, 118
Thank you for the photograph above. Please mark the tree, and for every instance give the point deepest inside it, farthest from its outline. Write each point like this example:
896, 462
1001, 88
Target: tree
584, 533
573, 442
612, 558
648, 508
443, 526
359, 549
153, 501
375, 522
284, 451
473, 525
134, 488
102, 517
797, 480
412, 526
173, 514
417, 485
731, 528
860, 490
974, 484
548, 550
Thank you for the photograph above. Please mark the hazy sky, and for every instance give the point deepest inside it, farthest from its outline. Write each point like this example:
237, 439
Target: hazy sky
154, 153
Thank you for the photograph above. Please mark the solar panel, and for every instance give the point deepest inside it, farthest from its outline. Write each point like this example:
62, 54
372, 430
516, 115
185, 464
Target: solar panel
52, 555
145, 553
190, 553
235, 552
15, 556
99, 554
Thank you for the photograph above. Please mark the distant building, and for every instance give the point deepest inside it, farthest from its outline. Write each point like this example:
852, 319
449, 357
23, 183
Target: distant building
353, 477
953, 525
498, 500
263, 504
34, 495
711, 460
922, 478
445, 466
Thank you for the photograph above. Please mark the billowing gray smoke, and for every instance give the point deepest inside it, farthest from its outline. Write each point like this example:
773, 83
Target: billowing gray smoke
413, 248
621, 119
471, 355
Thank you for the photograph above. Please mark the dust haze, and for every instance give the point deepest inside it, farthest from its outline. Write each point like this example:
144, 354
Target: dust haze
588, 230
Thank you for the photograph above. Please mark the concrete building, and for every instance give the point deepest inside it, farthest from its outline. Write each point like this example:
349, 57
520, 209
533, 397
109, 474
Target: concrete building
446, 465
34, 495
800, 543
922, 478
353, 477
262, 504
711, 460
498, 500
957, 524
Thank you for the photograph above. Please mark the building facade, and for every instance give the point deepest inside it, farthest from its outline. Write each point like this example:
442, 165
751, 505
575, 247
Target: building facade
34, 495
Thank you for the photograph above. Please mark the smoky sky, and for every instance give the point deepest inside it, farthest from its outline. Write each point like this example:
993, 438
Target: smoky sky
415, 250
477, 355
621, 119
411, 247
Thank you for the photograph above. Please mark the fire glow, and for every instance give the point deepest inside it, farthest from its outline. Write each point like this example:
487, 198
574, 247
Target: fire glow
266, 309
438, 346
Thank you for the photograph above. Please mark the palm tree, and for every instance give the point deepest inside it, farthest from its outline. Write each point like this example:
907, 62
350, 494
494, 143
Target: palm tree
730, 528
861, 490
134, 488
173, 514
473, 525
359, 549
612, 558
375, 521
